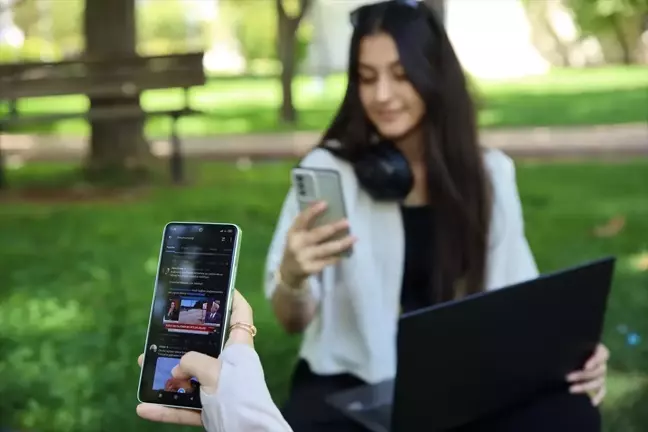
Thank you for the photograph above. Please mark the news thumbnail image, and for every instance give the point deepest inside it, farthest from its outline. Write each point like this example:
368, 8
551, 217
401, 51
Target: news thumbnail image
192, 314
163, 380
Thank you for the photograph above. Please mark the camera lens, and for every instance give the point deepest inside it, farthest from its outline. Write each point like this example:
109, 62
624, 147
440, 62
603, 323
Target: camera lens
299, 180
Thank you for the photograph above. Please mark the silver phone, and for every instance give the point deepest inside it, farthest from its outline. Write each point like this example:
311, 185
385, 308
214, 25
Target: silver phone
191, 308
317, 184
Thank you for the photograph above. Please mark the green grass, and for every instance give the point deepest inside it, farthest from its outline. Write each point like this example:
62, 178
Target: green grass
77, 279
563, 97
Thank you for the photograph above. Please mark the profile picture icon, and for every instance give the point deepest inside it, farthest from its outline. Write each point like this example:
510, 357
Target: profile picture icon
153, 348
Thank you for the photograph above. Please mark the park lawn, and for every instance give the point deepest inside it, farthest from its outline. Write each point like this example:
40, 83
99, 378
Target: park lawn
77, 281
244, 105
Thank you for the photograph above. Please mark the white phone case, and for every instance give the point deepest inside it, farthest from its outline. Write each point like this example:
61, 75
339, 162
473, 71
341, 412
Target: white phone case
312, 185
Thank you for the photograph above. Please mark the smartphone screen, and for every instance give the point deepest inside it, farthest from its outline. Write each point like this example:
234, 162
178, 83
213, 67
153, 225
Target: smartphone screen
190, 309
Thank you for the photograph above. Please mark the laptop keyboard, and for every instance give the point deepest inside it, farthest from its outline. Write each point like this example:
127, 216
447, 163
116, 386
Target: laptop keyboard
380, 414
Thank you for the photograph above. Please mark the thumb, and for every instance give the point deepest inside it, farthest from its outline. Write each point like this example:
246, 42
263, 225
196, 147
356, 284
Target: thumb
204, 368
207, 369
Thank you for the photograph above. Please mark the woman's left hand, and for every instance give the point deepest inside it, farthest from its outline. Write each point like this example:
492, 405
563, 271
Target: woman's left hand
205, 369
591, 379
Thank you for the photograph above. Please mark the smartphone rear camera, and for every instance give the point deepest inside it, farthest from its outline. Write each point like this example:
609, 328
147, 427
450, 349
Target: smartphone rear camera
300, 184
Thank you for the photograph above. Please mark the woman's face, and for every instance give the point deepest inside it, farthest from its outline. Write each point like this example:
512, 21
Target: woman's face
389, 99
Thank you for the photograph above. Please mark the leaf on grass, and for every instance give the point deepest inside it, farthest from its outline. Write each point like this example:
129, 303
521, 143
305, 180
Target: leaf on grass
640, 262
611, 228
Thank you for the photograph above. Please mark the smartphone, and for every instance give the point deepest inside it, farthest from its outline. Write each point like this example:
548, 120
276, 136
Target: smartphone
316, 184
191, 307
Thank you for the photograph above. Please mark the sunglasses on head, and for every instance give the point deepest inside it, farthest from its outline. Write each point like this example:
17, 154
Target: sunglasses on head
357, 15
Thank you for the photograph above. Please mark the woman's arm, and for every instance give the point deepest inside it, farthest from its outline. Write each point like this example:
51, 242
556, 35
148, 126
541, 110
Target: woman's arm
294, 302
510, 259
523, 264
294, 279
242, 401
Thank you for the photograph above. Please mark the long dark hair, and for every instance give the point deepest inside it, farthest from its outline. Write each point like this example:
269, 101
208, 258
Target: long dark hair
457, 183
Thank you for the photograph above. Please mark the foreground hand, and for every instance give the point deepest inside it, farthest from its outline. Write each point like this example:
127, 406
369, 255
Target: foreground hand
206, 369
591, 379
309, 250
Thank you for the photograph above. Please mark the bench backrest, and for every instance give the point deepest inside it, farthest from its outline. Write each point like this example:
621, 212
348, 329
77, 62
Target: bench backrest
107, 78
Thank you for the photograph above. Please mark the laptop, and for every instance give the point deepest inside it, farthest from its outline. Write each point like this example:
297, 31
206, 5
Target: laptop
465, 360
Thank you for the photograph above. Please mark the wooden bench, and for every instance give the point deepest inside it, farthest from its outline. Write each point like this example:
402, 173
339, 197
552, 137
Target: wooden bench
120, 79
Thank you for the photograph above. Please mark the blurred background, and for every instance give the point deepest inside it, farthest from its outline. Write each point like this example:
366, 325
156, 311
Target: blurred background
117, 116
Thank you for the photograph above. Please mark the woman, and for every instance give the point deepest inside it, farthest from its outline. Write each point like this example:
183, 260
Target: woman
173, 312
233, 391
443, 220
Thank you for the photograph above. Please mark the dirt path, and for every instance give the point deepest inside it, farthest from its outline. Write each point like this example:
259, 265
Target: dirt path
551, 142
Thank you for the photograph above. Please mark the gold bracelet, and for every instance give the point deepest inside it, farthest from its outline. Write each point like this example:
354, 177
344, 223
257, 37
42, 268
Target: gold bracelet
250, 328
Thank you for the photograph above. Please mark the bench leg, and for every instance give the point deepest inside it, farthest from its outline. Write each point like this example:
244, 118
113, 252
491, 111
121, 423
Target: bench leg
3, 179
177, 174
13, 108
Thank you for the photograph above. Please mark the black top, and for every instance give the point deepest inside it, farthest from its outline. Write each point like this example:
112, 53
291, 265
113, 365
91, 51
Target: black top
417, 225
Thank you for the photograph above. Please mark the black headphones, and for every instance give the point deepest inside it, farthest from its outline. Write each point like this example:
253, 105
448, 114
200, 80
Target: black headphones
382, 170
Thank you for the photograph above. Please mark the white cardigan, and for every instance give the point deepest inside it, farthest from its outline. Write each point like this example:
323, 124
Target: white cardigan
354, 330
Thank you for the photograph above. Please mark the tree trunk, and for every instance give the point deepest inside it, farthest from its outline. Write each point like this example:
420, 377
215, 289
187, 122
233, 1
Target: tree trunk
437, 6
619, 34
287, 27
118, 148
287, 42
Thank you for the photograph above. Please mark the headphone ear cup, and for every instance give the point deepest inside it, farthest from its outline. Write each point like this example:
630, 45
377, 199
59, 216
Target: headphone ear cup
384, 173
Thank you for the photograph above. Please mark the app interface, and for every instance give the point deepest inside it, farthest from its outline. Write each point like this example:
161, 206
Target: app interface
189, 308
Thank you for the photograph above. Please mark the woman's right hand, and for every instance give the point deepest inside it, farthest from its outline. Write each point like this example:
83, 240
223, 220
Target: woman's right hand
309, 250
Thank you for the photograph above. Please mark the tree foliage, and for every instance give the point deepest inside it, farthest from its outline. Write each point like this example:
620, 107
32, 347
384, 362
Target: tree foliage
64, 32
162, 28
599, 16
255, 26
617, 20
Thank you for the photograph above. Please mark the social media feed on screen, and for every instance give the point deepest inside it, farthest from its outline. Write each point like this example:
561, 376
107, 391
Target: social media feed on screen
195, 276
